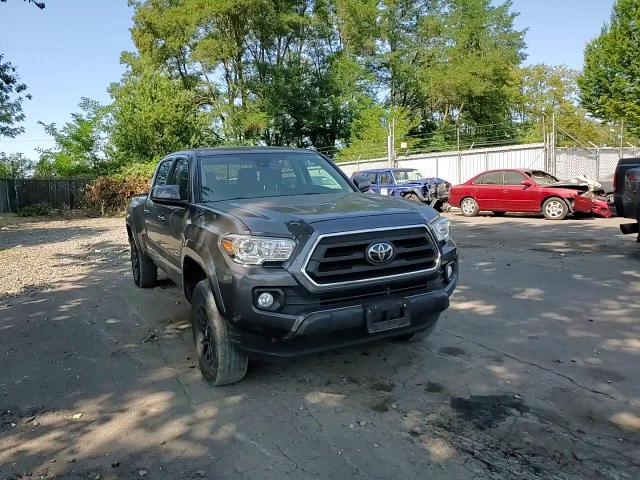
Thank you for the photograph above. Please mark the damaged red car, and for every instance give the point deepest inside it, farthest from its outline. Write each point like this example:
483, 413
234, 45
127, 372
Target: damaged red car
515, 190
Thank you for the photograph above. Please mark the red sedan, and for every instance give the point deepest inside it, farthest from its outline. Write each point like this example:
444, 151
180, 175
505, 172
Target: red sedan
516, 190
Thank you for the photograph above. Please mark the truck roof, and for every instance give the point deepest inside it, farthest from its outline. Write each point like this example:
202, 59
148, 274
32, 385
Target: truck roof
229, 150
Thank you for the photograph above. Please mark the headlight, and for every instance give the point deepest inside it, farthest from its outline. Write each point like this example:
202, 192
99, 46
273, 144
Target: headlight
442, 229
249, 250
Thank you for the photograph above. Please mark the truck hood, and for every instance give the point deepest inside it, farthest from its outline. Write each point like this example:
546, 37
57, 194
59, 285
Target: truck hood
339, 211
423, 181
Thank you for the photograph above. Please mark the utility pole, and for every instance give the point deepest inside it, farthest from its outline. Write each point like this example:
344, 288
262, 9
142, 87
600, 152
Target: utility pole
621, 137
391, 157
553, 143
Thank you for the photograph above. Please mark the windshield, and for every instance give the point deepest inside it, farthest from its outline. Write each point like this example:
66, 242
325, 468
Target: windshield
542, 178
230, 176
405, 176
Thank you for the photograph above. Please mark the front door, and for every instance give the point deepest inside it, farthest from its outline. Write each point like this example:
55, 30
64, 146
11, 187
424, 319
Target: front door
175, 215
154, 212
516, 197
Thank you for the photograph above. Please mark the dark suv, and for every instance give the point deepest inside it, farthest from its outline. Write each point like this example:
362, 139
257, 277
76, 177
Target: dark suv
281, 254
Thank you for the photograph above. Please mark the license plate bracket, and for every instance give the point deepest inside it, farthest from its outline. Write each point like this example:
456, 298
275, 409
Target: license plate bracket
387, 315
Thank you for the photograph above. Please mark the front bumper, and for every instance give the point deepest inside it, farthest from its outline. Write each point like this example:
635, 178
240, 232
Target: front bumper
308, 323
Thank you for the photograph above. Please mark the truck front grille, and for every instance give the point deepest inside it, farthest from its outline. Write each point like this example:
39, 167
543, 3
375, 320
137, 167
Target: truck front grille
342, 258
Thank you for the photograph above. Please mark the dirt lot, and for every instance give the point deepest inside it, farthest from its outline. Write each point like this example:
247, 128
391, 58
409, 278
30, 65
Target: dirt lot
533, 372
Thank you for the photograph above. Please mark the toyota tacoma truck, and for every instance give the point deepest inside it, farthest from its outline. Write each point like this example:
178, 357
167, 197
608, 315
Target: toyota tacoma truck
281, 254
626, 185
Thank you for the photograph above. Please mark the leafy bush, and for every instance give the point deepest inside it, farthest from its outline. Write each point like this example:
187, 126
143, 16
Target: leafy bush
35, 210
110, 194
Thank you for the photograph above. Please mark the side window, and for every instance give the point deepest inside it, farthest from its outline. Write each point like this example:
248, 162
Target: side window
490, 178
373, 178
386, 179
513, 178
180, 177
163, 173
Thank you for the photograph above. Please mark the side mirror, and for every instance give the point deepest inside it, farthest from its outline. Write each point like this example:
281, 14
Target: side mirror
362, 183
166, 193
526, 183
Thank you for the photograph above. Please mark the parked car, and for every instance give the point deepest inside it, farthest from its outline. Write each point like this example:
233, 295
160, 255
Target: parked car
627, 194
280, 254
410, 184
514, 190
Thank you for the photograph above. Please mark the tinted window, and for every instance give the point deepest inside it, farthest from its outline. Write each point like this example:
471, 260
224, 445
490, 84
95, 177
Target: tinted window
491, 178
513, 178
373, 178
163, 173
180, 177
254, 175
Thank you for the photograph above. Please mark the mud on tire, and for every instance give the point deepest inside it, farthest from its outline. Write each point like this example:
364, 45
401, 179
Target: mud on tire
220, 360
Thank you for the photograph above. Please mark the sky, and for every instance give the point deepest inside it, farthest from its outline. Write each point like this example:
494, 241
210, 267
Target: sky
71, 49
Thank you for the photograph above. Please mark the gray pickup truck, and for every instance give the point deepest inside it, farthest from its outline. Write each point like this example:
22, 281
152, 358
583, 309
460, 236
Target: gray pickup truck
626, 184
281, 254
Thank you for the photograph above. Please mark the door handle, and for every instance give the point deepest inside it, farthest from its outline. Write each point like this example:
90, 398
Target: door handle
505, 191
161, 217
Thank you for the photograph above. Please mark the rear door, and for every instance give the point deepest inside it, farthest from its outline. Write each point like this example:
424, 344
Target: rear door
487, 190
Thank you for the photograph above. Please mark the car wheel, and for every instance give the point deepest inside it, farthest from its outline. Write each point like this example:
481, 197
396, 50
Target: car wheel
221, 362
412, 196
499, 214
417, 336
555, 208
145, 272
469, 207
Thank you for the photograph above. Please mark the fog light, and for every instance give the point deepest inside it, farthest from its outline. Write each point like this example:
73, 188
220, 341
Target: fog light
448, 272
265, 300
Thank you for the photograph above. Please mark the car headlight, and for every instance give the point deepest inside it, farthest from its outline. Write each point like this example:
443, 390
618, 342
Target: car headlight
249, 250
442, 229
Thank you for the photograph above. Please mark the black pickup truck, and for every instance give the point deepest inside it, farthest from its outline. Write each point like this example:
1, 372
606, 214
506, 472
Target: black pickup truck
281, 254
626, 184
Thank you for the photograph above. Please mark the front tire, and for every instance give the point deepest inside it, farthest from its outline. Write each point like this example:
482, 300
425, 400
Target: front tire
555, 208
221, 361
469, 207
145, 272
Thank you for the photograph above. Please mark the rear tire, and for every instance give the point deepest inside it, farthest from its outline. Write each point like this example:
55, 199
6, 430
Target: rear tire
469, 207
555, 208
145, 272
221, 362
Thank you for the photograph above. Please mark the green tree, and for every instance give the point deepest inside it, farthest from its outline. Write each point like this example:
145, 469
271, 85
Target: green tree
80, 145
610, 83
12, 94
153, 115
14, 165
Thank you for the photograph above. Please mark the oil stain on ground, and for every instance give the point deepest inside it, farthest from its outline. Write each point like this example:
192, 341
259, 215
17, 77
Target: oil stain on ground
486, 411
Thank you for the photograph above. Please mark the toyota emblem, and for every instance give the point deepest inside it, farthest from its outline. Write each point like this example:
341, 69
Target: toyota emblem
379, 253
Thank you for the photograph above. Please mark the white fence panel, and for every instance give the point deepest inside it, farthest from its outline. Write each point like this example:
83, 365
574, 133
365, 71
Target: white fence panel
458, 167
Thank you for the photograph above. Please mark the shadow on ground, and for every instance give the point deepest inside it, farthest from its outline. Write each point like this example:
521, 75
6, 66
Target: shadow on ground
99, 381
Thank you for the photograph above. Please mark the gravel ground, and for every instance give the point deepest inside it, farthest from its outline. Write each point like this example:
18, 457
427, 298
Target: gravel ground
44, 251
531, 374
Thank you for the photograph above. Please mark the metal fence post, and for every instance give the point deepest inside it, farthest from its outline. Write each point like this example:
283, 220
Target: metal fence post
597, 162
